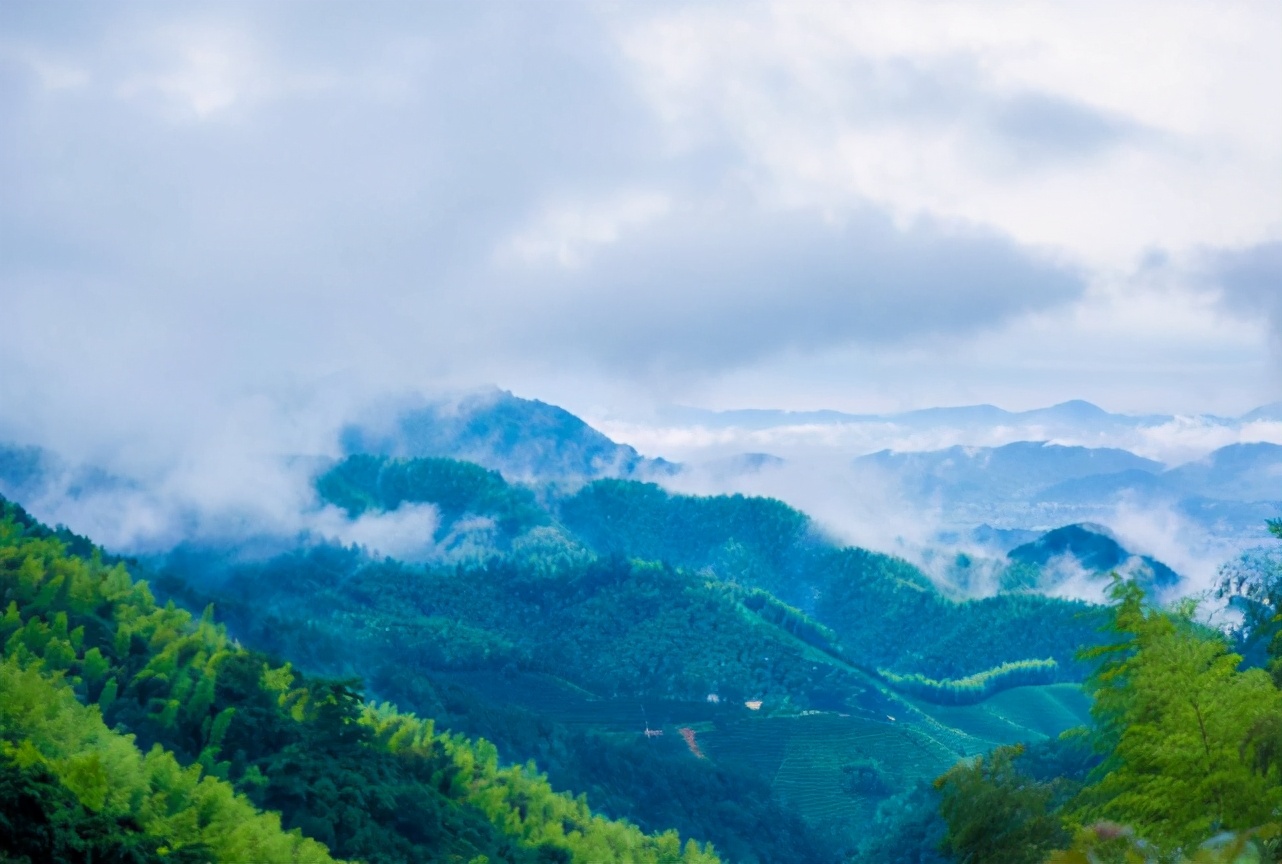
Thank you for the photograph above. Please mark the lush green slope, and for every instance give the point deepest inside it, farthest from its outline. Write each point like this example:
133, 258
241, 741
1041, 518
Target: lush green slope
89, 656
361, 483
621, 607
1191, 747
872, 605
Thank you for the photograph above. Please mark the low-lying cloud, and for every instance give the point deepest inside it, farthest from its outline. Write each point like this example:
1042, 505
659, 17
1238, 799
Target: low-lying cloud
227, 229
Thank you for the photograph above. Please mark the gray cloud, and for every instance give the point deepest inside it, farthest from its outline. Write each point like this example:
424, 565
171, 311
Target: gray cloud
706, 290
206, 202
225, 227
1038, 127
1250, 280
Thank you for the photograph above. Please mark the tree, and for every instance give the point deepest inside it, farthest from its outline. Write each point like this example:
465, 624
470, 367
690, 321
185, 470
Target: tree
995, 814
1173, 719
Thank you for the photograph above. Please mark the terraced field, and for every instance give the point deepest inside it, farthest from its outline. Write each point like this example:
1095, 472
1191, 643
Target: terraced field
831, 767
1019, 714
814, 760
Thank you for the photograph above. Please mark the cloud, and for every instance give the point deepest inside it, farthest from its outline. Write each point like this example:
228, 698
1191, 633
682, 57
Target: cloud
1056, 126
714, 287
227, 228
1250, 280
856, 505
1039, 127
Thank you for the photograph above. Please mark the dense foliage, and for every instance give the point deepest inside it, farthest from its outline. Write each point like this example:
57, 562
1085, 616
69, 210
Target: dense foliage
1189, 741
361, 483
864, 605
95, 673
594, 615
978, 687
526, 656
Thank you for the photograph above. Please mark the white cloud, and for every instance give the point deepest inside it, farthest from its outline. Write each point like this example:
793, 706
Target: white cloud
566, 234
1152, 130
225, 227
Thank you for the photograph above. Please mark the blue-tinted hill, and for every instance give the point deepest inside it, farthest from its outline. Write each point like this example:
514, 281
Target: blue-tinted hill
1094, 550
1103, 488
1017, 470
522, 438
1239, 472
30, 473
1272, 411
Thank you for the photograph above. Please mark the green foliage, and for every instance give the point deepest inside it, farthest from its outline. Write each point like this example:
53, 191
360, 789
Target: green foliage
754, 535
907, 829
791, 620
361, 483
42, 820
629, 594
1173, 717
43, 724
977, 687
995, 813
1110, 843
846, 602
369, 783
1190, 769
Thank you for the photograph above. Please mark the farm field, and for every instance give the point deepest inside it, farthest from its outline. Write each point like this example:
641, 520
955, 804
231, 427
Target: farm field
831, 767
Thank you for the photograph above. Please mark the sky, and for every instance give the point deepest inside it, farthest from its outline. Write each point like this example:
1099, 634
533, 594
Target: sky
237, 224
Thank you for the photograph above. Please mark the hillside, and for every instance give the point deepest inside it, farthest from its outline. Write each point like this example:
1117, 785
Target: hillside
122, 716
523, 438
1077, 551
1230, 492
623, 607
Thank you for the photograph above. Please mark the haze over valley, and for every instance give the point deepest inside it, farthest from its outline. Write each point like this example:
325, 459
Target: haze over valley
667, 433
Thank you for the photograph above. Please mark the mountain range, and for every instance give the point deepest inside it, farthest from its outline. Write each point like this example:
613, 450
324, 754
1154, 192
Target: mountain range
1230, 492
1073, 416
705, 663
523, 438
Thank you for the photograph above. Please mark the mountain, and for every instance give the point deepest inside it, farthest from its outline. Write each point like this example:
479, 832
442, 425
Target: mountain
33, 474
1084, 549
523, 438
1013, 472
1231, 491
789, 662
1270, 412
1065, 418
132, 731
1136, 483
1239, 472
742, 463
23, 470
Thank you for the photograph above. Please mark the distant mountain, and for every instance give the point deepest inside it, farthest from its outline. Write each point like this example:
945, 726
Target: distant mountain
1103, 488
1076, 415
1230, 492
23, 470
1014, 471
28, 473
1272, 411
1239, 472
1083, 550
522, 438
1000, 539
741, 464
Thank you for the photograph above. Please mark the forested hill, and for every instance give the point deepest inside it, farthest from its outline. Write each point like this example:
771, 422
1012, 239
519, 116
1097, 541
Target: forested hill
709, 665
132, 731
879, 612
594, 630
523, 438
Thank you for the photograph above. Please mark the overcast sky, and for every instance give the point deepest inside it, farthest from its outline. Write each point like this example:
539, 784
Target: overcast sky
221, 219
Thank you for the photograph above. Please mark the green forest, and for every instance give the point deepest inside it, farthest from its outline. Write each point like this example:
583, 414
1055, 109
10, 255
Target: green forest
613, 673
138, 731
